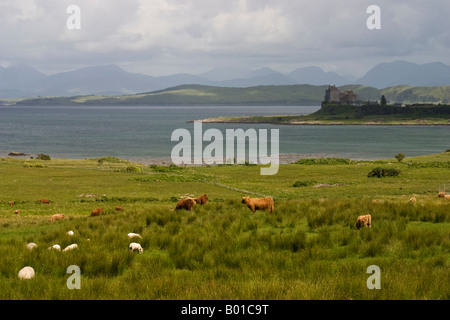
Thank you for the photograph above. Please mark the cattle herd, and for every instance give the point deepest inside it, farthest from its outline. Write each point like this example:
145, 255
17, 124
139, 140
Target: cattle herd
186, 203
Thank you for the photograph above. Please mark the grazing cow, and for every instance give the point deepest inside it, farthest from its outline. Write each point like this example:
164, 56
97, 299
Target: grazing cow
26, 273
11, 203
58, 216
45, 201
443, 195
16, 211
413, 200
202, 199
186, 204
258, 203
365, 221
118, 208
97, 212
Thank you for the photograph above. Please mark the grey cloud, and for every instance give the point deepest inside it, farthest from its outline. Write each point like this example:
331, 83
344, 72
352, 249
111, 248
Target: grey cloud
192, 35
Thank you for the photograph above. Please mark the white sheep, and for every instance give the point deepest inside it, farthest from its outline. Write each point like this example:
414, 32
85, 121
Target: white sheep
31, 246
71, 247
132, 235
26, 273
70, 233
135, 246
55, 247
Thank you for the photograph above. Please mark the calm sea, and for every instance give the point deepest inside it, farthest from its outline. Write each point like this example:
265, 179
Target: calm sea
143, 133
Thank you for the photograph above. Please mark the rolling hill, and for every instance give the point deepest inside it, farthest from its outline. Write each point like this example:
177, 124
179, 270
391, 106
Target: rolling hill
301, 95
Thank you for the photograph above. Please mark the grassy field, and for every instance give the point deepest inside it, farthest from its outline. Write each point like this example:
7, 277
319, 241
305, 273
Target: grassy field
308, 248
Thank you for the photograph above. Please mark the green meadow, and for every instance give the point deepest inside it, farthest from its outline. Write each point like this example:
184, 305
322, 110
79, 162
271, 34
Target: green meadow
308, 248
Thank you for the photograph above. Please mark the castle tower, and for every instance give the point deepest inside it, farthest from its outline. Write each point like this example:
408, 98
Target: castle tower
332, 94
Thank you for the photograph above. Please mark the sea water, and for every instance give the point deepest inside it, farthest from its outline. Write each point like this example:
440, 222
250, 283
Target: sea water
144, 132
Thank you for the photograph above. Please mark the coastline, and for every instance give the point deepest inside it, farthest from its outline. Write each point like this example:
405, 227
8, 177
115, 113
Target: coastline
247, 120
284, 158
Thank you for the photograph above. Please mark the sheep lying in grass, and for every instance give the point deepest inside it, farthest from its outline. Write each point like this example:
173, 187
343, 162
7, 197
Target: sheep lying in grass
132, 235
55, 247
364, 221
70, 247
31, 246
413, 200
70, 233
26, 273
135, 247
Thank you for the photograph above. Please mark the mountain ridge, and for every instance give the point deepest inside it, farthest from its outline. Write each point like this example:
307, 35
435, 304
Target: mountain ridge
25, 81
300, 95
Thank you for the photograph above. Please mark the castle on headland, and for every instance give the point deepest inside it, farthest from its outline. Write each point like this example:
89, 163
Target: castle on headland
333, 95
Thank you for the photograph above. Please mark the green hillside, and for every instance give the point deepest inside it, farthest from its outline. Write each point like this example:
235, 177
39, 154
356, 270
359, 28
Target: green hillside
408, 94
301, 95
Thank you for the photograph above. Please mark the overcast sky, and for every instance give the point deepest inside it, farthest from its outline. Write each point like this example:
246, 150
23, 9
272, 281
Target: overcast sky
161, 37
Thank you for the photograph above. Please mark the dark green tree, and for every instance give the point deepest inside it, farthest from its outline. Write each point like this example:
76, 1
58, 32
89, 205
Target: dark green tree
383, 100
400, 157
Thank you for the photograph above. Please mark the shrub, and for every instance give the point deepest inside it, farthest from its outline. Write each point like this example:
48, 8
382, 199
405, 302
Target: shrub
383, 172
111, 160
133, 169
33, 165
400, 157
43, 157
303, 183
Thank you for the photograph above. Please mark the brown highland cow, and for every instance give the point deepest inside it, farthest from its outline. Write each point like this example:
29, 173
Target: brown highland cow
364, 221
258, 203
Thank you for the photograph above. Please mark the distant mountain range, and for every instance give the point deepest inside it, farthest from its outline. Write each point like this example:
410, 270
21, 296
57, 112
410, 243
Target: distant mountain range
24, 81
201, 95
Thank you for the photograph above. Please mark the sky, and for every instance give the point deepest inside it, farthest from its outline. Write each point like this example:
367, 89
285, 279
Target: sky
162, 37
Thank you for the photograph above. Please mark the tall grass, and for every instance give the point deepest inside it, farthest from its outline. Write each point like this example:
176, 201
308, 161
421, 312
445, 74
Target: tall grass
223, 251
308, 248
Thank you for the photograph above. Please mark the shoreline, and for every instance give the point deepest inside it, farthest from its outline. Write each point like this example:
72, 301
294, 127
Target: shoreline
318, 122
284, 158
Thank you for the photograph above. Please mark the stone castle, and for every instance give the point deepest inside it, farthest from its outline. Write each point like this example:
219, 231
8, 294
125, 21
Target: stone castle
333, 95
